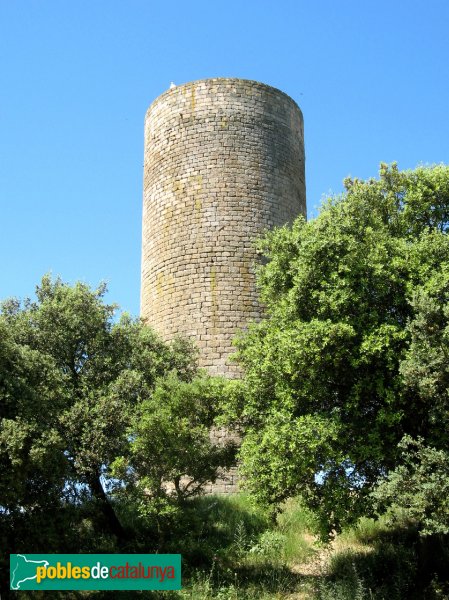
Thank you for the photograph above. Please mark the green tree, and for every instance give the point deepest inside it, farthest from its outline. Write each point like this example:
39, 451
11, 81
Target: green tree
71, 380
419, 487
172, 455
32, 464
325, 399
425, 368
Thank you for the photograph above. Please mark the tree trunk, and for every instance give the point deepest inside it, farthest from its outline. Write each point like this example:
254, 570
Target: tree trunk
114, 524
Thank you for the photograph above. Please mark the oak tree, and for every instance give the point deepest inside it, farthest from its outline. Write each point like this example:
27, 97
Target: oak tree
331, 386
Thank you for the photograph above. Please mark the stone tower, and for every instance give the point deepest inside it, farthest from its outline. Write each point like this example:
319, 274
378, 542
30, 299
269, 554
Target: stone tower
224, 160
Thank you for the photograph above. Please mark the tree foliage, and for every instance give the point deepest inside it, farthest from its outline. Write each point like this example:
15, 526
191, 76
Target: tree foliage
332, 380
419, 487
78, 390
171, 455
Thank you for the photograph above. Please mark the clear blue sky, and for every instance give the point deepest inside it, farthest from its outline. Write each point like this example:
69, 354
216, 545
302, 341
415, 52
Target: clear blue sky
372, 79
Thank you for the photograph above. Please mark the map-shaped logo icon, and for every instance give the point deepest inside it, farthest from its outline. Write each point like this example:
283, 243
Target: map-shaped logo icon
24, 569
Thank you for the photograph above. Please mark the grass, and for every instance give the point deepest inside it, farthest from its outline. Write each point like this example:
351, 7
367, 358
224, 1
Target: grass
251, 557
378, 560
256, 559
232, 551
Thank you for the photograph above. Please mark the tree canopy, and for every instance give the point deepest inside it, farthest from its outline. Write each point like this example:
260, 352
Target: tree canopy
79, 391
352, 352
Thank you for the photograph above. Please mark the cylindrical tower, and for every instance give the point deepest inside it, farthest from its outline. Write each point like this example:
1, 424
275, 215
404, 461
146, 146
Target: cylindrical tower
224, 160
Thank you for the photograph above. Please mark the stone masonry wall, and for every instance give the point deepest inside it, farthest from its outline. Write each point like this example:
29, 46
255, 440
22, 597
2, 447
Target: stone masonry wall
224, 160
